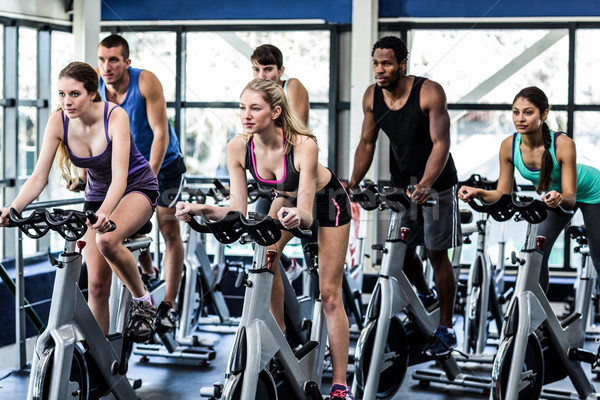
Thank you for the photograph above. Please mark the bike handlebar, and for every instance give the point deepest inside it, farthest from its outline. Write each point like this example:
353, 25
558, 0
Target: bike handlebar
70, 224
394, 198
522, 207
233, 225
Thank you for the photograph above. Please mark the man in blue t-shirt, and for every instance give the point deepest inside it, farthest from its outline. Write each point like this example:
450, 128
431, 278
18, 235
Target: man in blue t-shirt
140, 93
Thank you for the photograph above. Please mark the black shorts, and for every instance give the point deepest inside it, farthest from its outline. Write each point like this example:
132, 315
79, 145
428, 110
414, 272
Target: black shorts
332, 204
170, 179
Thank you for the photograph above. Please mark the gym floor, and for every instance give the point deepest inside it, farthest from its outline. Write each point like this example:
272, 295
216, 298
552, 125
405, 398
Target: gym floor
173, 379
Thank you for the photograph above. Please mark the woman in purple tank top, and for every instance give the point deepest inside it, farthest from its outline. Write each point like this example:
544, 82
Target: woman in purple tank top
120, 186
273, 137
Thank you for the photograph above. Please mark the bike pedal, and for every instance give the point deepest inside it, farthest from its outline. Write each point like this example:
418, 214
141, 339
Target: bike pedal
582, 355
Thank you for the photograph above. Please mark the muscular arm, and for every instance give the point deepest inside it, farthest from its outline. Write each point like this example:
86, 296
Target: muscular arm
298, 98
433, 103
363, 157
156, 108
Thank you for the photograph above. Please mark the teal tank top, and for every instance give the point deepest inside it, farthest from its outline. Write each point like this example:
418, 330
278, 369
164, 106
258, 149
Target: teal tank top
588, 178
135, 106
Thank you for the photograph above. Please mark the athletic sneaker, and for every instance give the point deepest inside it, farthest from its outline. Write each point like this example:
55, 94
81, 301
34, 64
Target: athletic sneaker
166, 318
293, 271
428, 300
150, 280
340, 392
141, 320
441, 342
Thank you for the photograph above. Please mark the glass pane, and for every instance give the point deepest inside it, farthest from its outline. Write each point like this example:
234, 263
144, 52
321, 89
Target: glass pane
476, 138
62, 46
27, 140
156, 52
27, 63
305, 57
207, 132
506, 61
319, 123
587, 60
586, 137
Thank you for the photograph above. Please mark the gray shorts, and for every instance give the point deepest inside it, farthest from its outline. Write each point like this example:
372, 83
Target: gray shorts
437, 227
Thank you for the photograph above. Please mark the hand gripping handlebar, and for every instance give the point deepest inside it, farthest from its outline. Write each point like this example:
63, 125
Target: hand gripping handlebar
233, 225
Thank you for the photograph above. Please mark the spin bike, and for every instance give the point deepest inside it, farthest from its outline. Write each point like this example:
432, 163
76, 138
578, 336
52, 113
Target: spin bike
72, 358
198, 281
585, 272
485, 284
262, 364
535, 347
389, 344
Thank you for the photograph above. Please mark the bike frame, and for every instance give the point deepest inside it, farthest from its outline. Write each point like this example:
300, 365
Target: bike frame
71, 321
259, 338
530, 300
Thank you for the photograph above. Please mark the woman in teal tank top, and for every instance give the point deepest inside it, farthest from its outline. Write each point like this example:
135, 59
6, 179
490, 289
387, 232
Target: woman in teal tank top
548, 160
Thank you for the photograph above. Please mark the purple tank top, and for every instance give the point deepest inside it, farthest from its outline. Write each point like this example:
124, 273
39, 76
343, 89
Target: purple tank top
99, 168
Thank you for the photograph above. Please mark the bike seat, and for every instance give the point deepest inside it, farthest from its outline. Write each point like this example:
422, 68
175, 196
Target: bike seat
144, 229
466, 216
578, 233
311, 249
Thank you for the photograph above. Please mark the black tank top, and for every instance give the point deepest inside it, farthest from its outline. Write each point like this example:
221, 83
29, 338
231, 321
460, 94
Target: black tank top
290, 180
410, 140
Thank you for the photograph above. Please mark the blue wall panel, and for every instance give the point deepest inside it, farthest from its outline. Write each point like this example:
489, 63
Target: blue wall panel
335, 11
487, 8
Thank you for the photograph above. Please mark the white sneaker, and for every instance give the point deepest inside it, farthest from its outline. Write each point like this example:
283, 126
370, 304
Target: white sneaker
293, 271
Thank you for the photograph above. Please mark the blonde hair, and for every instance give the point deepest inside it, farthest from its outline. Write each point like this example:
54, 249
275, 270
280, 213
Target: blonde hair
274, 95
84, 73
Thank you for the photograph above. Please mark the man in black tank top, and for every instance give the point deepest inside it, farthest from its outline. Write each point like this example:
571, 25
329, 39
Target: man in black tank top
412, 112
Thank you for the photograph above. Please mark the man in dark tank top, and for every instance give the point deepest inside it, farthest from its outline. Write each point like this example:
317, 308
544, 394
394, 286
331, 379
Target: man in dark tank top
412, 112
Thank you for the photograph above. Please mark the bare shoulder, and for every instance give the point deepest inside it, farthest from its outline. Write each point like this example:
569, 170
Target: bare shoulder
55, 121
368, 98
565, 146
237, 144
506, 147
431, 91
295, 84
116, 111
564, 140
305, 144
149, 82
236, 150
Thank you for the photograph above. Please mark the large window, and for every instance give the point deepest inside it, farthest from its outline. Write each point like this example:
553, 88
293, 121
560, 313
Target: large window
156, 52
217, 69
491, 66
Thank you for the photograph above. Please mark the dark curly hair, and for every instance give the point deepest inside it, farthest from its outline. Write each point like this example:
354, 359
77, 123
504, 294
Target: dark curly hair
394, 43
